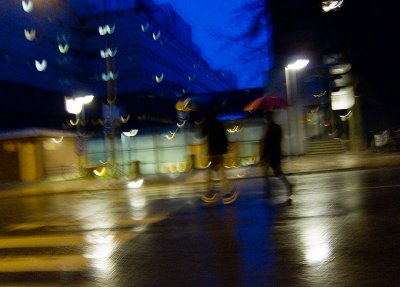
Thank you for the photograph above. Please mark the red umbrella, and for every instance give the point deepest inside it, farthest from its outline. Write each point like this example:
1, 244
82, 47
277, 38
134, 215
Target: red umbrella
267, 102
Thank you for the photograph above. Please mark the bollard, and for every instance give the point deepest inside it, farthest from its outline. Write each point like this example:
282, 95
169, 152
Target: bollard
135, 169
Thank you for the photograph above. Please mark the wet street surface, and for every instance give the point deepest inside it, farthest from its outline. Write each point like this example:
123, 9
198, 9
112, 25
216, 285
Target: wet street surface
338, 229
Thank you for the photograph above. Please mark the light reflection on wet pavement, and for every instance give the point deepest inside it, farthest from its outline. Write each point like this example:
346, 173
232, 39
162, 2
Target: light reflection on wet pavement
339, 229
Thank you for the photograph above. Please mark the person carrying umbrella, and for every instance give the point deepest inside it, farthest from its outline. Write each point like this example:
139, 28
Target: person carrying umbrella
271, 150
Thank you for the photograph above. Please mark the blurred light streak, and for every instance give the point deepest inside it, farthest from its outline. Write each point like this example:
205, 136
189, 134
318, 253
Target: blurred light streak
41, 65
181, 125
63, 48
30, 35
145, 27
57, 141
298, 65
27, 6
134, 184
108, 53
102, 172
156, 36
171, 135
74, 123
131, 133
106, 29
346, 116
331, 5
160, 78
124, 120
109, 76
235, 129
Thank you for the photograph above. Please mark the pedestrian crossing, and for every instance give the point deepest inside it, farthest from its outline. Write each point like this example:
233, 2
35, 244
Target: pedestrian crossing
29, 248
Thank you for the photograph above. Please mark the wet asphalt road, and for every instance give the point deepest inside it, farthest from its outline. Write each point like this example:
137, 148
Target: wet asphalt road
339, 229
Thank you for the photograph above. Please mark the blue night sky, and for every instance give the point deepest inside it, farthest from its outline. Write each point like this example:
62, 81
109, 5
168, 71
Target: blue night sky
215, 17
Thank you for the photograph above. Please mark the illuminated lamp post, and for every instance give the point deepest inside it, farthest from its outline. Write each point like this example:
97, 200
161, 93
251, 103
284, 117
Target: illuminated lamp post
295, 140
76, 106
135, 180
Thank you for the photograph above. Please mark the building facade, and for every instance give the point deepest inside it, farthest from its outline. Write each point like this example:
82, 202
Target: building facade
52, 49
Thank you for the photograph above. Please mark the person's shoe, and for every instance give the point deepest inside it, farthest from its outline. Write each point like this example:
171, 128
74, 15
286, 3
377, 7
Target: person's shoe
209, 197
231, 197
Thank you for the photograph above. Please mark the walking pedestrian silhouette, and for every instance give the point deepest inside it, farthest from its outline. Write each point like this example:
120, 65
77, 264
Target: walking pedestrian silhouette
271, 151
217, 141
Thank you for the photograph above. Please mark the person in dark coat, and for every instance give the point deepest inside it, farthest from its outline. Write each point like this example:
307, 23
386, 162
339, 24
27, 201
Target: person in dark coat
271, 151
217, 141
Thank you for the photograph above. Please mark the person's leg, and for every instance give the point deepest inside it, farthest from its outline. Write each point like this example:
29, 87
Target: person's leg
230, 194
267, 181
210, 196
279, 173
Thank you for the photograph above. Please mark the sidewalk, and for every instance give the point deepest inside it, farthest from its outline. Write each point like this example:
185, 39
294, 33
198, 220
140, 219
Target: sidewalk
343, 161
291, 166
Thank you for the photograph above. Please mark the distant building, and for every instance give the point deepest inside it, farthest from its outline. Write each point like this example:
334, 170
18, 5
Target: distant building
56, 48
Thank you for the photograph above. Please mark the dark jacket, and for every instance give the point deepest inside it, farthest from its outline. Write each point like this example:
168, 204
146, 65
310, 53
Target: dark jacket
272, 144
215, 132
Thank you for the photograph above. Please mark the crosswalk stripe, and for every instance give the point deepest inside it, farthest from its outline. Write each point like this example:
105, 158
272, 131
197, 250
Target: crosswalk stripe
71, 245
99, 245
68, 263
42, 241
83, 225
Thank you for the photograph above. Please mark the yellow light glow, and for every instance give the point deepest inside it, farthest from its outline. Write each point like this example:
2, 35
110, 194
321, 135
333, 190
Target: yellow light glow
235, 129
182, 166
85, 100
205, 166
57, 141
30, 35
102, 172
183, 106
171, 135
63, 48
125, 120
74, 123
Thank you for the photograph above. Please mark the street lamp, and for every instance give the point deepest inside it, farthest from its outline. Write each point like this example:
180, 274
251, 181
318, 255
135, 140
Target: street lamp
135, 180
76, 105
295, 141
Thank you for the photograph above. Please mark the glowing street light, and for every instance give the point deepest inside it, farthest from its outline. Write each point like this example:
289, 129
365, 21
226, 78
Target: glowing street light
292, 93
298, 64
76, 106
331, 5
